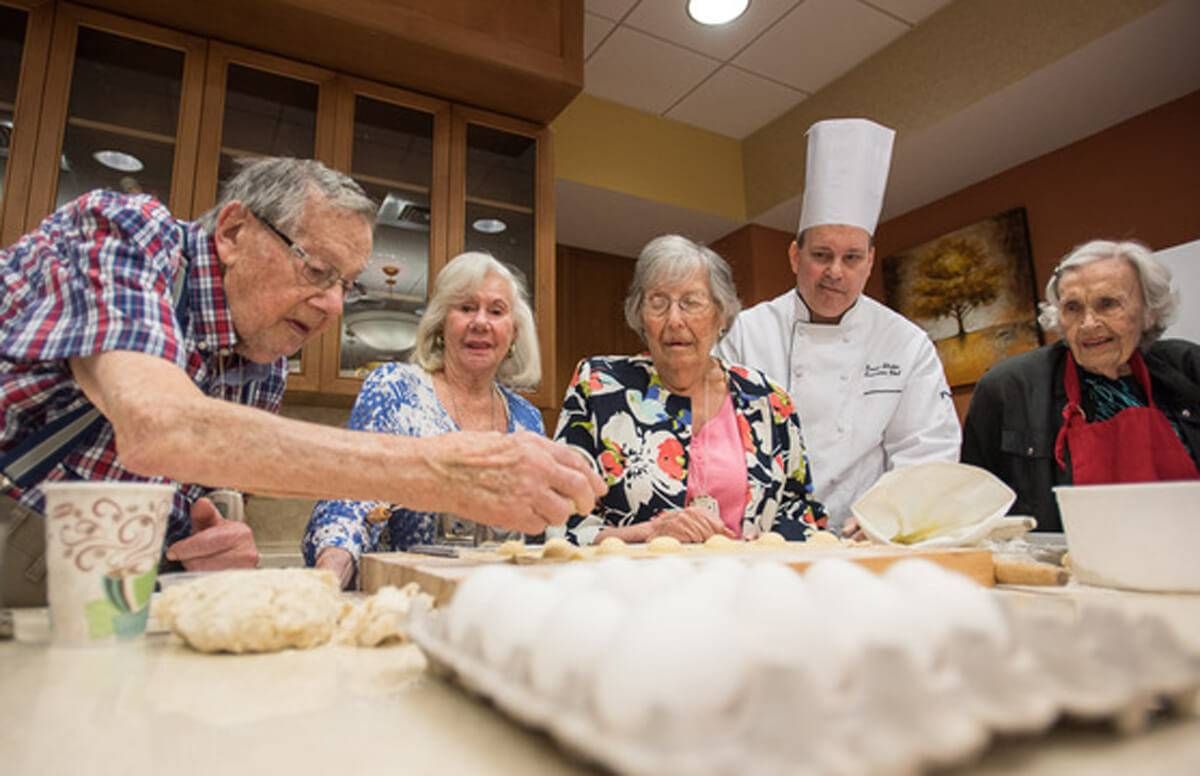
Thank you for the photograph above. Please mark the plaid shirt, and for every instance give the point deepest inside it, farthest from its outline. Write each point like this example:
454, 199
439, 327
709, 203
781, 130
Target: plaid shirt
96, 276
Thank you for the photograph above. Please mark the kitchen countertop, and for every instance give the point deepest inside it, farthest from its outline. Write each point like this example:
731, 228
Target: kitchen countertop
156, 708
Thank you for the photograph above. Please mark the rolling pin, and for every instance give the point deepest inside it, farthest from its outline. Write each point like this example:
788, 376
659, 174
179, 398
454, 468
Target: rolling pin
1020, 571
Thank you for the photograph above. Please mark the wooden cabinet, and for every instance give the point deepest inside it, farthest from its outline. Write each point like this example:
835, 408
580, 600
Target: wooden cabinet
135, 107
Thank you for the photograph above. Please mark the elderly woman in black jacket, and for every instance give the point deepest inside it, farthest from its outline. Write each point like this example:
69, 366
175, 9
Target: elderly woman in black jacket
1110, 402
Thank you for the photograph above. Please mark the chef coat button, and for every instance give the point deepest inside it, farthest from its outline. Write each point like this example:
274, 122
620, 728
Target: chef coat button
846, 339
799, 373
845, 378
841, 429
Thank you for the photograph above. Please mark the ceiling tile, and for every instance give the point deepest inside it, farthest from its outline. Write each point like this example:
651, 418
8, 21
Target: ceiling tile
611, 9
642, 72
911, 11
735, 103
594, 29
819, 41
670, 20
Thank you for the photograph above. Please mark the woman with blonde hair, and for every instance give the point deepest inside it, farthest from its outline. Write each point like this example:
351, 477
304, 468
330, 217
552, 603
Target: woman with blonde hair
475, 343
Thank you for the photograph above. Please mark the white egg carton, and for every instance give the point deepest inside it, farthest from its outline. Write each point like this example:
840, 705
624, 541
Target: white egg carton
740, 667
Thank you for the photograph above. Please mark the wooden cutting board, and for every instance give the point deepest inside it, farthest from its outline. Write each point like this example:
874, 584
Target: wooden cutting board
440, 576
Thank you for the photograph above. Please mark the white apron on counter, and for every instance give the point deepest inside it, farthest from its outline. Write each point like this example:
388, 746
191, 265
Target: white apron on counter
870, 390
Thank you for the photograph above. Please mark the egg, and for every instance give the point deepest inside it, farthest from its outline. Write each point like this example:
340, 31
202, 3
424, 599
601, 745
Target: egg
514, 618
575, 632
471, 599
781, 624
948, 601
633, 581
717, 582
864, 609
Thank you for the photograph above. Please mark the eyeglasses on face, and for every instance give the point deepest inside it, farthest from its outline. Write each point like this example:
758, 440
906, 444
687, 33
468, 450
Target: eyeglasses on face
311, 271
690, 305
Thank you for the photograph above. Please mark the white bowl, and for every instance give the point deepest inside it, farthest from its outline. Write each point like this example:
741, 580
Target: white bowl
1137, 537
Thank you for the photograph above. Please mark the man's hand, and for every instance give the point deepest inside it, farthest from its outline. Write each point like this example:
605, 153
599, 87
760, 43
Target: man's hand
689, 525
215, 543
340, 562
520, 481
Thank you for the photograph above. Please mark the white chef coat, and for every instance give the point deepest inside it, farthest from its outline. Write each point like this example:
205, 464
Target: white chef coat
870, 390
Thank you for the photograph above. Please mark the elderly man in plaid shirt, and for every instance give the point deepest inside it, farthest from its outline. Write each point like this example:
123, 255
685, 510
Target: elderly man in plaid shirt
178, 334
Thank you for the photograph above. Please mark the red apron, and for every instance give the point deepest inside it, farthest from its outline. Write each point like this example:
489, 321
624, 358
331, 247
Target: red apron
1135, 445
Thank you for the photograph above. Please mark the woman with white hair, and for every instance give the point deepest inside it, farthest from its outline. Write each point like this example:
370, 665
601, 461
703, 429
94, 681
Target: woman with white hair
1110, 402
475, 343
690, 446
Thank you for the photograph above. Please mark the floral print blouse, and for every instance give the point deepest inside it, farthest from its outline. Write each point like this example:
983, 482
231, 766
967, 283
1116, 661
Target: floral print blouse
636, 432
395, 399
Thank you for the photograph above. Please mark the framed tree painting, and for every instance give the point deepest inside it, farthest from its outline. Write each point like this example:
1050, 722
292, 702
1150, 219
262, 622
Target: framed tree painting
973, 291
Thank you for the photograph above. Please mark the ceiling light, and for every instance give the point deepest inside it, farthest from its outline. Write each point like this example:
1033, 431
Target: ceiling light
714, 12
489, 225
119, 160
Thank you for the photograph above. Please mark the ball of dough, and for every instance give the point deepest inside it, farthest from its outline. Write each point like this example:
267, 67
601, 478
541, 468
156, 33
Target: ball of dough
380, 619
771, 539
613, 545
559, 548
664, 545
719, 542
264, 610
511, 548
822, 538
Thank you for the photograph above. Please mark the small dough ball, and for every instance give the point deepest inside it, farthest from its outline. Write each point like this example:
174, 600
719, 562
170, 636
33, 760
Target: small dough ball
664, 545
719, 542
511, 548
825, 538
559, 548
613, 545
1066, 561
771, 539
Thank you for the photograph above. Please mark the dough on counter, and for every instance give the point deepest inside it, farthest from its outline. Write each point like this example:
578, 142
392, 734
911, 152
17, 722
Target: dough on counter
380, 619
663, 545
559, 548
770, 539
613, 545
719, 542
511, 548
263, 610
268, 610
822, 538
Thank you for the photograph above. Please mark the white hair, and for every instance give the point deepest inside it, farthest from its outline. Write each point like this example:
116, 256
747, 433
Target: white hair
463, 275
279, 188
1160, 301
672, 258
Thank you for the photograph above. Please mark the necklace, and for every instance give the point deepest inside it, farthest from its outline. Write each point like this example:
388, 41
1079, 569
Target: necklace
456, 416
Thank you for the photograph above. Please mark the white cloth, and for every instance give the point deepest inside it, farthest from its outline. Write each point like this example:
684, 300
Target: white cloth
846, 173
870, 390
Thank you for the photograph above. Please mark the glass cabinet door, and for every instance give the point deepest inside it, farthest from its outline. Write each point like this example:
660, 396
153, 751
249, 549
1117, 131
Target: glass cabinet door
13, 25
120, 108
506, 209
265, 106
391, 147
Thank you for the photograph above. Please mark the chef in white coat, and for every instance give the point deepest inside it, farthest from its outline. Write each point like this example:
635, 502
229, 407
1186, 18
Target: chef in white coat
867, 382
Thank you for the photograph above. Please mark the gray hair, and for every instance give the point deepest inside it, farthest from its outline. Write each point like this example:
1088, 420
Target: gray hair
671, 259
278, 188
1160, 301
522, 367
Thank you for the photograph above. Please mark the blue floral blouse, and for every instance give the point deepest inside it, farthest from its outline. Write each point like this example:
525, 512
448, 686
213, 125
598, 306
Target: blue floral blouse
396, 399
618, 412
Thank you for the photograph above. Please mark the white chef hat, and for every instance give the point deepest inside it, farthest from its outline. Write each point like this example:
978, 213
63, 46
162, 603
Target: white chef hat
846, 173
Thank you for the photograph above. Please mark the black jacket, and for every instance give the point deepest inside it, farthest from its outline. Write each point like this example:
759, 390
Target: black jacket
1016, 412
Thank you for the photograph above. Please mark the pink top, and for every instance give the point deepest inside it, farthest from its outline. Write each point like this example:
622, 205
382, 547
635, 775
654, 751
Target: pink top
718, 466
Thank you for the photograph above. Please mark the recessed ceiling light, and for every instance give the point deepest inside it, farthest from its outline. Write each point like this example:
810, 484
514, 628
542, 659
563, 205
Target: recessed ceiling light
489, 225
714, 12
119, 160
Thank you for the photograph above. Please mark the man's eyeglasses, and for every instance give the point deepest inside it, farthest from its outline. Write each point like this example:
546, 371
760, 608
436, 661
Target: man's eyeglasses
309, 270
690, 306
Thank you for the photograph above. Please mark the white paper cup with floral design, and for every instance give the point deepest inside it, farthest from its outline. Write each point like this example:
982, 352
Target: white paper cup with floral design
103, 545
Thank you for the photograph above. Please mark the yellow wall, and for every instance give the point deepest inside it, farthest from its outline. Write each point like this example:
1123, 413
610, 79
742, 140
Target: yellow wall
610, 146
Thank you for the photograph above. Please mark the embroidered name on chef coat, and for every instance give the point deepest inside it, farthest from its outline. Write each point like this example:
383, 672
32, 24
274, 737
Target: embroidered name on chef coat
885, 369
